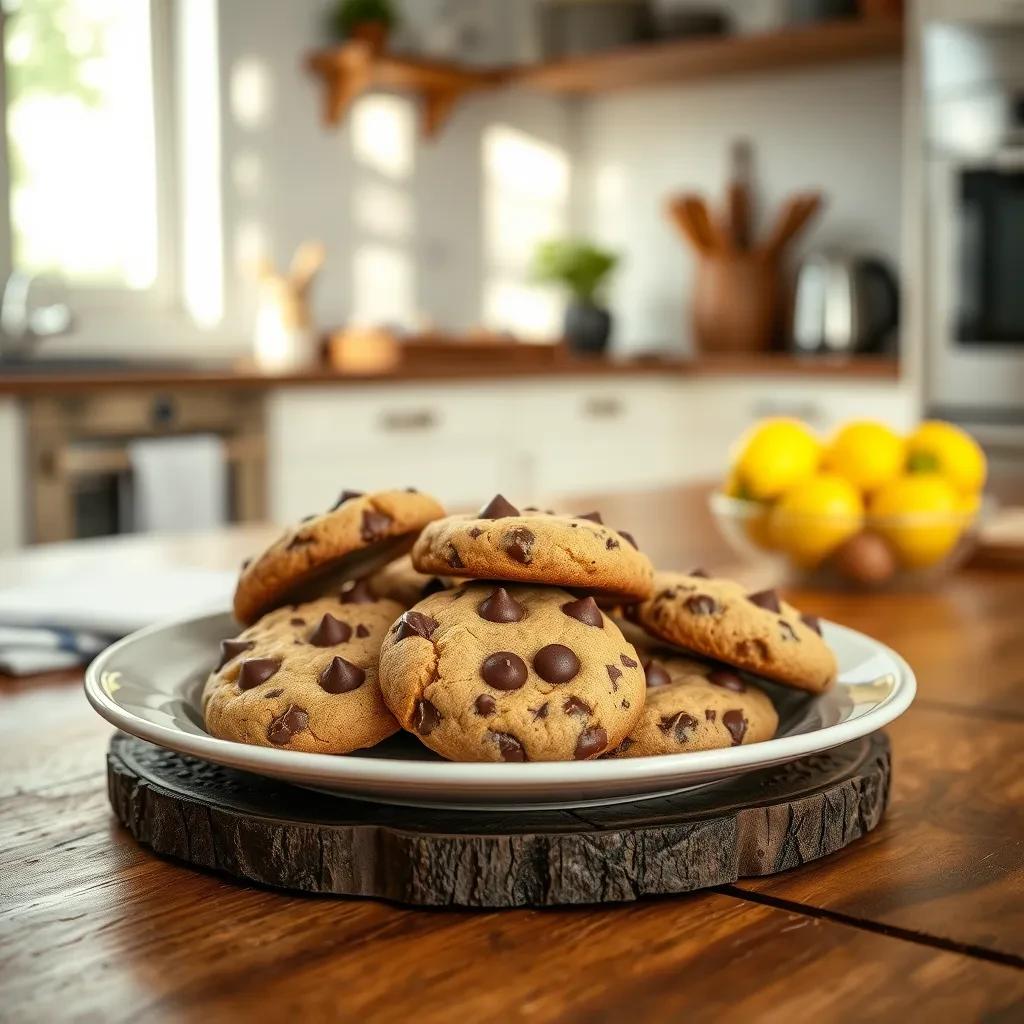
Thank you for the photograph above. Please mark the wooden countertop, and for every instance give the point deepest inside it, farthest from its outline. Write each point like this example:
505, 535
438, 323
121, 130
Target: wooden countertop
921, 919
873, 368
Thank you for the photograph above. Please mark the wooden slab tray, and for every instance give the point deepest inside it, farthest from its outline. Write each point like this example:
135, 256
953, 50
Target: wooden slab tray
275, 834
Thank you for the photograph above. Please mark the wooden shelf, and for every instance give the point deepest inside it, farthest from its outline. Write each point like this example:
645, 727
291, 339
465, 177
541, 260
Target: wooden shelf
352, 69
689, 59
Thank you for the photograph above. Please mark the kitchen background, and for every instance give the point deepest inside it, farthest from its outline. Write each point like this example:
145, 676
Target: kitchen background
168, 161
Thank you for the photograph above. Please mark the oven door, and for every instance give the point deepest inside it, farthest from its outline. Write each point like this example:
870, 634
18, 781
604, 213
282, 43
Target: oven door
975, 292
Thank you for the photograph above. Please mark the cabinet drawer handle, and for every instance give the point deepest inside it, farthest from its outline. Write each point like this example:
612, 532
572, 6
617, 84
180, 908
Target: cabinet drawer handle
603, 408
413, 419
809, 412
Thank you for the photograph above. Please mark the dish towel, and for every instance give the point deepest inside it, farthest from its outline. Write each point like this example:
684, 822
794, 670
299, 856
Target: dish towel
67, 619
179, 483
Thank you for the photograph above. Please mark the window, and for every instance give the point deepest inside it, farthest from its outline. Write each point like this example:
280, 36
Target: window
87, 200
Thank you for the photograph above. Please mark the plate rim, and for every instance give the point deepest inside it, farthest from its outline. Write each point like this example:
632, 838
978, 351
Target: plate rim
369, 770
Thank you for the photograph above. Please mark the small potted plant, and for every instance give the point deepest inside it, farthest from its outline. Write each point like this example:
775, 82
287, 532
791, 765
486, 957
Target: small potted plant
369, 21
582, 268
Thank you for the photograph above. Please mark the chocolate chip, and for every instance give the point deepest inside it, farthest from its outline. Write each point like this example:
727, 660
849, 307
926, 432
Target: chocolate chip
699, 574
362, 631
270, 694
734, 721
475, 532
300, 540
629, 538
680, 726
414, 624
425, 717
614, 674
767, 599
451, 556
594, 517
575, 706
296, 621
345, 496
293, 720
330, 631
433, 586
519, 545
485, 705
357, 592
656, 673
232, 649
701, 604
509, 747
787, 632
709, 714
306, 519
501, 606
375, 525
341, 676
504, 670
727, 680
611, 543
584, 610
591, 741
246, 562
411, 490
756, 648
497, 508
257, 670
539, 713
556, 663
812, 622
623, 746
627, 661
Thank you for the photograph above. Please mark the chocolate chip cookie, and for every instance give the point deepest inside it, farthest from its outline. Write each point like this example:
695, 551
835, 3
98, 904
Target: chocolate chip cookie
358, 535
721, 619
693, 705
485, 672
532, 546
304, 678
400, 582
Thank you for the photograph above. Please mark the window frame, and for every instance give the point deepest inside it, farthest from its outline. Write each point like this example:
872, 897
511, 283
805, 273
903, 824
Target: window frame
98, 308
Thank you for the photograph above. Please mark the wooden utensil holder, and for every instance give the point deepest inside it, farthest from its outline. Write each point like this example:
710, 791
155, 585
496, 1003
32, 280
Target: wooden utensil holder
737, 298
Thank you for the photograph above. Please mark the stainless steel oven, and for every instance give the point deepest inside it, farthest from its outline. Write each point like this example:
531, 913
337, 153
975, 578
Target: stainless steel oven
974, 285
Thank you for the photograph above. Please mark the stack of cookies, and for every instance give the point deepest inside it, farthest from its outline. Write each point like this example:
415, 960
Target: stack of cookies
497, 640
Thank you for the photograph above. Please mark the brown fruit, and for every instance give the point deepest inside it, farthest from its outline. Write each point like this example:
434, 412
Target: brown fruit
864, 558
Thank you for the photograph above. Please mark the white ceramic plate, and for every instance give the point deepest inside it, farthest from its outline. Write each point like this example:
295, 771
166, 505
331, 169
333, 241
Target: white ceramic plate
149, 683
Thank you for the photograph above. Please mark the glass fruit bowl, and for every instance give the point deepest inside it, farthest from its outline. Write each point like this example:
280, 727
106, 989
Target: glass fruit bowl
862, 552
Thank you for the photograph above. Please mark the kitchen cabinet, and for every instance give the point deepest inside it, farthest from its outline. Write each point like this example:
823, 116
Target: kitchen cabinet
12, 475
533, 439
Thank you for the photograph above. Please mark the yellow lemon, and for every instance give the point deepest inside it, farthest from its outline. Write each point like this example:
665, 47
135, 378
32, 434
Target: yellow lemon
937, 447
921, 515
867, 454
813, 518
755, 520
773, 456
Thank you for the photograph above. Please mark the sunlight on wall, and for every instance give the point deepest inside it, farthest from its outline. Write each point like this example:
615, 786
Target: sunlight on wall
382, 210
383, 286
525, 200
247, 174
251, 93
383, 135
203, 241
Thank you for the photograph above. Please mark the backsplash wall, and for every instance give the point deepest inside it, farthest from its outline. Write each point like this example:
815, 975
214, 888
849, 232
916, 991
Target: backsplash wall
837, 130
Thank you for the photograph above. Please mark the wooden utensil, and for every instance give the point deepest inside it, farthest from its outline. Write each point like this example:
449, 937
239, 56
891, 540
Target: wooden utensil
739, 210
793, 216
680, 215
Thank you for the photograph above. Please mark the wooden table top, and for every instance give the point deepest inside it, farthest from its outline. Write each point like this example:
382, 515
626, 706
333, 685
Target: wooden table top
923, 918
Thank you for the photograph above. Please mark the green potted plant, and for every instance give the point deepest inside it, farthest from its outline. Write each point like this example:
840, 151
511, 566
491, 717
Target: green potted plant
369, 21
583, 269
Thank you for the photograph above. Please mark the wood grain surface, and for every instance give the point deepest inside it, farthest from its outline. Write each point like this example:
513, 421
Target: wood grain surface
920, 920
262, 831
